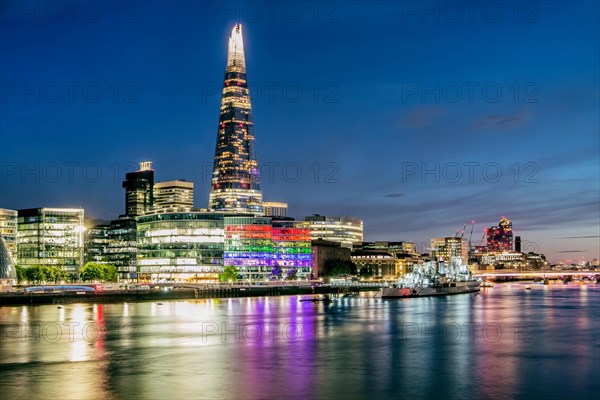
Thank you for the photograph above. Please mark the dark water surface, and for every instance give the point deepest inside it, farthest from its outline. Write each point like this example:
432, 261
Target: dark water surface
503, 343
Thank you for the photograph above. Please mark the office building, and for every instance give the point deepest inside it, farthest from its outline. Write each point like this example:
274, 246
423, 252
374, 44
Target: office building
51, 237
346, 231
175, 195
443, 249
8, 230
139, 190
275, 209
180, 246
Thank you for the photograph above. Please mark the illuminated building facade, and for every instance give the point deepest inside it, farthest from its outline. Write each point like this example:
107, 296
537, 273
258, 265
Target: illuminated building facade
114, 243
443, 249
139, 190
51, 237
235, 184
291, 248
177, 246
500, 238
8, 230
275, 209
375, 263
122, 246
8, 273
176, 195
346, 231
249, 245
96, 242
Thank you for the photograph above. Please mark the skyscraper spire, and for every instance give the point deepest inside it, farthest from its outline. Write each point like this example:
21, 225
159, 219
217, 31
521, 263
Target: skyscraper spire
235, 50
235, 182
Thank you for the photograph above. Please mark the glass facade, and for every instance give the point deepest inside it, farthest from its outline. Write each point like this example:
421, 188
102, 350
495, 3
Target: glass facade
180, 246
235, 182
249, 245
174, 194
114, 244
346, 231
139, 190
8, 230
292, 247
50, 237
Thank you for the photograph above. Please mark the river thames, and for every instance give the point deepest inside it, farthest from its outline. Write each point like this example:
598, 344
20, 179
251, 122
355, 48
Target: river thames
502, 343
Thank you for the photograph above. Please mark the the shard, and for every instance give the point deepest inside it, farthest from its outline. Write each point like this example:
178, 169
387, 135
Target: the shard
235, 185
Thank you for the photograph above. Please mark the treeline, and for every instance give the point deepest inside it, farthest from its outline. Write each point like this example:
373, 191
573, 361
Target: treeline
53, 274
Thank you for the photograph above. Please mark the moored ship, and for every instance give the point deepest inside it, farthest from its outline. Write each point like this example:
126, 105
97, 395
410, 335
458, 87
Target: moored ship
433, 280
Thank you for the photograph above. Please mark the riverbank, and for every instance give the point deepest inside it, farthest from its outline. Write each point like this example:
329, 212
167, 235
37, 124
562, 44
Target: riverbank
119, 296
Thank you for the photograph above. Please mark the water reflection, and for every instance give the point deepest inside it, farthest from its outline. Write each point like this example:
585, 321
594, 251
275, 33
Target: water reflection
501, 343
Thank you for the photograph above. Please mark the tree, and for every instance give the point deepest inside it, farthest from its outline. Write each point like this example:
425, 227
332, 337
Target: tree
20, 273
276, 272
99, 272
338, 267
110, 273
292, 274
230, 273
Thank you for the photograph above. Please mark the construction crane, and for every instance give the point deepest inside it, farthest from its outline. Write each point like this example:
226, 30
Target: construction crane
462, 232
485, 231
471, 233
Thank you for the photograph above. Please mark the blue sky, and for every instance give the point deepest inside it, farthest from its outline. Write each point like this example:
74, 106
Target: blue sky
353, 103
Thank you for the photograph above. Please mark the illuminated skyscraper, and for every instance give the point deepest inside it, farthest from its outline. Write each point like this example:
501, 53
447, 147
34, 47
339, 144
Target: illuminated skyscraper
500, 238
139, 190
235, 183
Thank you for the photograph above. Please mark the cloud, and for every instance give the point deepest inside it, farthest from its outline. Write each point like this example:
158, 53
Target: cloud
501, 121
580, 237
393, 195
421, 116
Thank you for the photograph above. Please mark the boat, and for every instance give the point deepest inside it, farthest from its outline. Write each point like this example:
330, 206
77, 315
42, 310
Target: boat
325, 299
527, 287
432, 279
487, 284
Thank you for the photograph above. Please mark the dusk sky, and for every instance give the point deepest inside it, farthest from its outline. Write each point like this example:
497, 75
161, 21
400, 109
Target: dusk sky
352, 101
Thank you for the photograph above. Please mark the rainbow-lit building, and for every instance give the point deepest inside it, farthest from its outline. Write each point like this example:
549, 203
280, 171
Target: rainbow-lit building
235, 185
249, 245
291, 248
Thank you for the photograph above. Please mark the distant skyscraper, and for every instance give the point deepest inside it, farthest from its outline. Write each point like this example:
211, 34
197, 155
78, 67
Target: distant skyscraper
275, 209
174, 194
235, 182
139, 190
500, 238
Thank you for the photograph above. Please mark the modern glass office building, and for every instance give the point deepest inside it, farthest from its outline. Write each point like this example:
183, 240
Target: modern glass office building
178, 246
248, 245
51, 237
8, 230
344, 230
292, 247
139, 190
176, 195
235, 184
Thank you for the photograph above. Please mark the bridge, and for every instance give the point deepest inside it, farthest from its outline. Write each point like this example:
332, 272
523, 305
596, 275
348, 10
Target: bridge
535, 274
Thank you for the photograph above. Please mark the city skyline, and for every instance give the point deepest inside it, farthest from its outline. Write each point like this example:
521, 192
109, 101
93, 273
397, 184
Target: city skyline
346, 169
